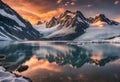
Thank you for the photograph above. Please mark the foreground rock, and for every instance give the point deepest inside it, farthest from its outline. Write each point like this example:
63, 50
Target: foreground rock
22, 68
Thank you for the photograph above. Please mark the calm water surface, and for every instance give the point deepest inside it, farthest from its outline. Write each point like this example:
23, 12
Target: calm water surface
62, 61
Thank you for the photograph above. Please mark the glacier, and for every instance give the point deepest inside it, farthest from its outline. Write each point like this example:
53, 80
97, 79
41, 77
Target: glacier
100, 32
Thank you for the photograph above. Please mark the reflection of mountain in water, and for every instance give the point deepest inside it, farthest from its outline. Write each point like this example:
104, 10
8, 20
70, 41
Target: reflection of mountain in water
15, 54
61, 53
78, 56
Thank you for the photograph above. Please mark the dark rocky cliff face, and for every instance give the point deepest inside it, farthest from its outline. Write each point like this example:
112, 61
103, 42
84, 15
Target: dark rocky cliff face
14, 27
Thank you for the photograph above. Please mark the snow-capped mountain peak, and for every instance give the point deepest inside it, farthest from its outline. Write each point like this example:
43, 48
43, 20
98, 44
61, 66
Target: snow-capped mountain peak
67, 26
68, 18
52, 22
103, 18
101, 28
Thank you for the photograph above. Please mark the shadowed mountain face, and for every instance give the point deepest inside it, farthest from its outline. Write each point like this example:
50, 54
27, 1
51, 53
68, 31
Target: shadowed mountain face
14, 27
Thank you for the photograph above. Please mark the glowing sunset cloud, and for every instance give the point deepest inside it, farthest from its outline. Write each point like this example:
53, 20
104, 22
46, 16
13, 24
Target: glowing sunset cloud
35, 10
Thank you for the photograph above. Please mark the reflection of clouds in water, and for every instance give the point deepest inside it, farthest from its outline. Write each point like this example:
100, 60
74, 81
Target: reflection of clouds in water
36, 64
97, 56
116, 62
106, 48
61, 53
54, 49
42, 70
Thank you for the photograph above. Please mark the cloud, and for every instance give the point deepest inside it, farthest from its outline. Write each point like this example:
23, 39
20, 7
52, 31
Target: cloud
72, 3
59, 1
35, 10
50, 14
116, 2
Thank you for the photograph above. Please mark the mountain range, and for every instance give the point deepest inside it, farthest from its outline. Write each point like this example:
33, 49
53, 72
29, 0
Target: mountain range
75, 26
67, 26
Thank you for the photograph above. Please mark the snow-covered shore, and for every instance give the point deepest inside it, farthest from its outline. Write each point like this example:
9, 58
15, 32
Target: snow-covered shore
6, 76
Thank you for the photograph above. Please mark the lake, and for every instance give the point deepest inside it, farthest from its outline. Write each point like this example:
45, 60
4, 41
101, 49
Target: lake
51, 61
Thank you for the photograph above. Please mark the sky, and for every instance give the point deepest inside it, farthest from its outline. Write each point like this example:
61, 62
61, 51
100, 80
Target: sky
35, 10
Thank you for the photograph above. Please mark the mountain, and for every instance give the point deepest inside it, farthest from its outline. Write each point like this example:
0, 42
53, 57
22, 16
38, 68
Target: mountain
75, 26
68, 18
52, 22
103, 18
67, 26
14, 54
101, 28
14, 27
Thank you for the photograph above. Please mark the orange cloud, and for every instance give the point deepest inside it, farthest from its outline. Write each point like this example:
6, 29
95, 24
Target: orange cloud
50, 14
34, 17
36, 10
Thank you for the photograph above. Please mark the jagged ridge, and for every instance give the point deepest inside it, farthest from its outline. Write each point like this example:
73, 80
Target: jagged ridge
103, 18
74, 20
69, 20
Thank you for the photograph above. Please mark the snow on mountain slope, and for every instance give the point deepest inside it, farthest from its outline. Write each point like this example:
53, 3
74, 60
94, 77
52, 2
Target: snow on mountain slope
46, 31
13, 17
14, 27
100, 31
56, 31
61, 32
67, 26
74, 25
